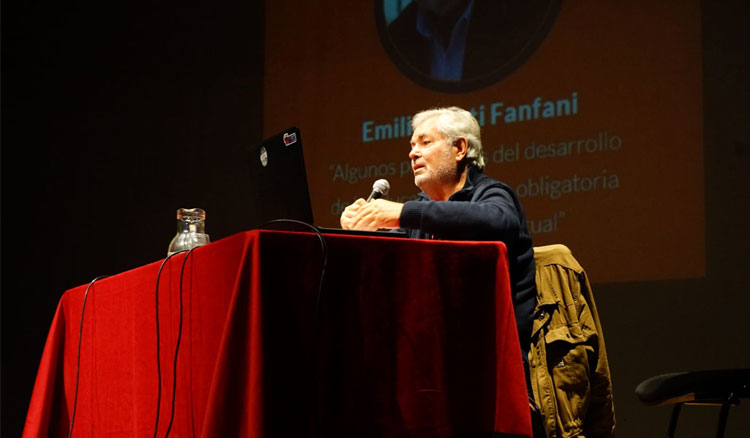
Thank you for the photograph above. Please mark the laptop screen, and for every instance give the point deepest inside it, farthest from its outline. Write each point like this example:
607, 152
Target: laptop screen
278, 180
279, 187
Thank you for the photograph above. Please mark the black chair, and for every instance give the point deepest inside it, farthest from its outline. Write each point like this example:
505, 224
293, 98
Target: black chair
714, 388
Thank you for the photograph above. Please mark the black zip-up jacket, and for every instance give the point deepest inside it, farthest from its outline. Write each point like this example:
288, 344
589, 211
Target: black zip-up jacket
484, 209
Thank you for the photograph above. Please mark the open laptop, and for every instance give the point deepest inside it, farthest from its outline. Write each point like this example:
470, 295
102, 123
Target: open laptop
278, 184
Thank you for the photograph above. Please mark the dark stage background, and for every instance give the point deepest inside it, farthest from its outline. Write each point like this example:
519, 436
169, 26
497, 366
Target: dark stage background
116, 114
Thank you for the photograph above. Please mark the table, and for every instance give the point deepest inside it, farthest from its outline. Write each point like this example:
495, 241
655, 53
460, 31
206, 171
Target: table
410, 338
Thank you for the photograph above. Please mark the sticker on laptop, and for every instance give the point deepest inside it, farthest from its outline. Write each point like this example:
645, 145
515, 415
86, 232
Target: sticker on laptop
263, 156
290, 139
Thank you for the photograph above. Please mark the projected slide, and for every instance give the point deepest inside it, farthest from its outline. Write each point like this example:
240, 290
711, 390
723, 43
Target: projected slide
591, 110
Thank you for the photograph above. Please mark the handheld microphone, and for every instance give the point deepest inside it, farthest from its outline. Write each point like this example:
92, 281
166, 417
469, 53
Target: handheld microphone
380, 188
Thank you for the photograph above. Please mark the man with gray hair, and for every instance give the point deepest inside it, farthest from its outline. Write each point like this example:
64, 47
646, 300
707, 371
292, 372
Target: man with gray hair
458, 202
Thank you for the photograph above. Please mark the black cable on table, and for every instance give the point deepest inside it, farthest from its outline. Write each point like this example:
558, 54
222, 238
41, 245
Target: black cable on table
177, 346
78, 359
158, 347
323, 247
318, 301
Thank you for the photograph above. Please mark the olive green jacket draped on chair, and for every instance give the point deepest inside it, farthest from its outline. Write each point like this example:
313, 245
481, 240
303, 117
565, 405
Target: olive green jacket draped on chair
568, 361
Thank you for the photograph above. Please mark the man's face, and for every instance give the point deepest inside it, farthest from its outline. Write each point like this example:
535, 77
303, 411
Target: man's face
433, 160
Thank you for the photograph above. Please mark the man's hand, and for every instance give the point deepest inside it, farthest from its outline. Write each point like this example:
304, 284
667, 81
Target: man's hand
362, 215
349, 212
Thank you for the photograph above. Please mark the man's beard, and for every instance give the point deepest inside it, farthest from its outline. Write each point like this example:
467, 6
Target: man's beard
444, 175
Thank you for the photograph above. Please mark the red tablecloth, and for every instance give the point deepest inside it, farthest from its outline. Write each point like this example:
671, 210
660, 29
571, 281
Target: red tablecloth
411, 338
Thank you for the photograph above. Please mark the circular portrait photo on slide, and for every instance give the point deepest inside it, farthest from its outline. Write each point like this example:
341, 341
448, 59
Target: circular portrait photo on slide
462, 45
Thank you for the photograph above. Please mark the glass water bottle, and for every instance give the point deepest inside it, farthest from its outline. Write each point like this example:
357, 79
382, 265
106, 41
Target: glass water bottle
191, 230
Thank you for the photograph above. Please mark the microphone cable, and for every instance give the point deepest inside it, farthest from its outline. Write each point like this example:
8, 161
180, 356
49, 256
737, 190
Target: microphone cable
78, 359
158, 347
318, 315
323, 248
177, 346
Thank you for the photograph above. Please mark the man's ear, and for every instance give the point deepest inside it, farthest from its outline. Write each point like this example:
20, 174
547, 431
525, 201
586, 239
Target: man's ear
461, 147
